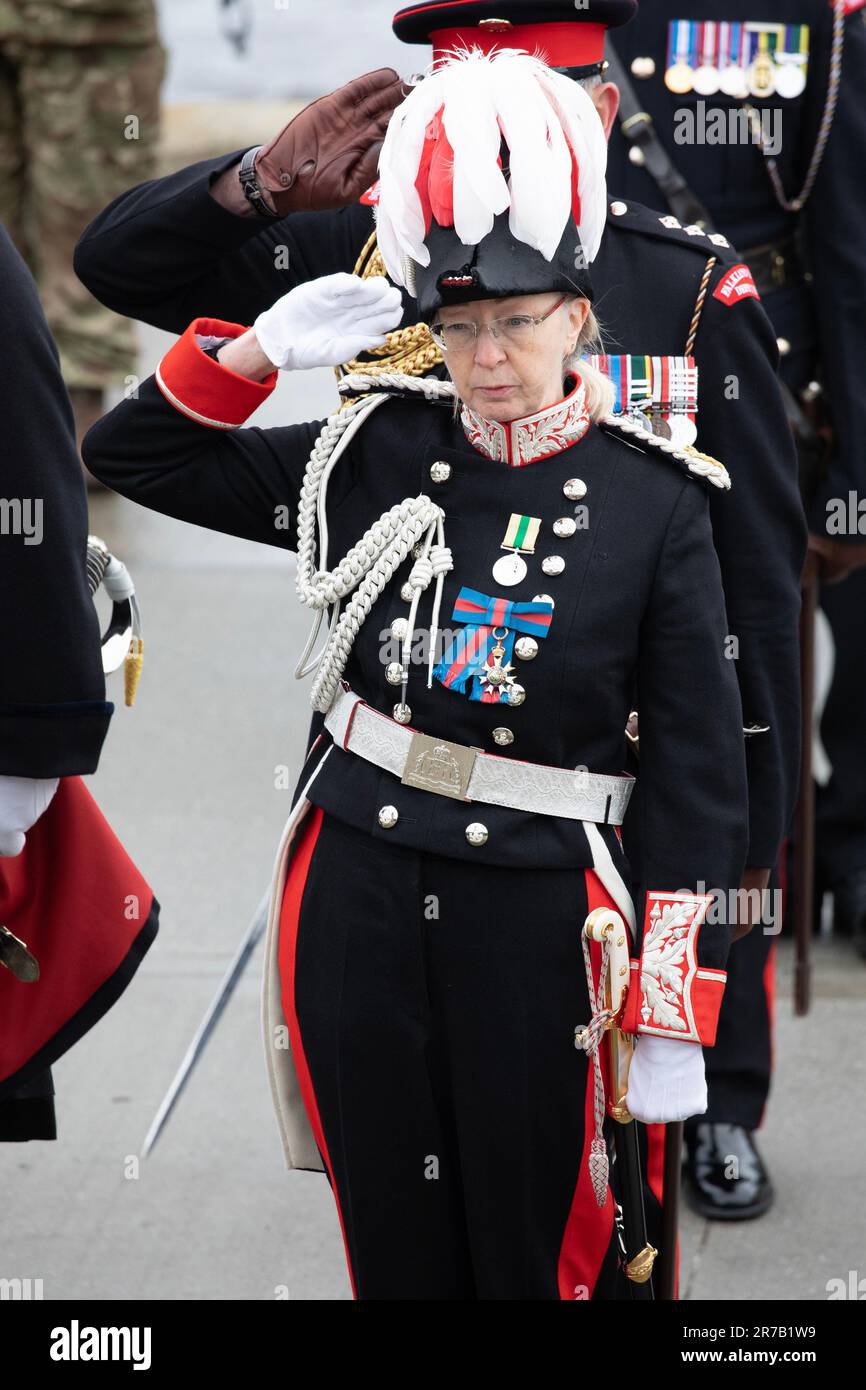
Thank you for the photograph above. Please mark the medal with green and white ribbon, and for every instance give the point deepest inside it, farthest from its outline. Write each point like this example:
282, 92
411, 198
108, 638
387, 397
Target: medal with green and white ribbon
520, 535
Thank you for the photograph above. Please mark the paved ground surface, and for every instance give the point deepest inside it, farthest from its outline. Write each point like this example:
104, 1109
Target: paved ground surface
187, 779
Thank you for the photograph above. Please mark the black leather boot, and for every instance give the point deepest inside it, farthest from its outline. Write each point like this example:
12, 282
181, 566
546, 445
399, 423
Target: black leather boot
725, 1176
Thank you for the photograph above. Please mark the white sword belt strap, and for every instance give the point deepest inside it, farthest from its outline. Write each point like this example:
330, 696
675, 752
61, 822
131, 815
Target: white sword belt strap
469, 774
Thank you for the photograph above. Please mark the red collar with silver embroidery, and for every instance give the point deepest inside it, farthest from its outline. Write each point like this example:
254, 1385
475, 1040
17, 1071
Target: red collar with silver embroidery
533, 437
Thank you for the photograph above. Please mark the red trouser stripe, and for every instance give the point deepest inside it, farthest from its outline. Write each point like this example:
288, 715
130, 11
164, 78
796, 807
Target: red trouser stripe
290, 910
588, 1230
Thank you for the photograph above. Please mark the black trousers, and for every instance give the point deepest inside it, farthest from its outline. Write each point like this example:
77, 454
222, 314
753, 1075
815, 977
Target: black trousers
840, 807
432, 1004
739, 1067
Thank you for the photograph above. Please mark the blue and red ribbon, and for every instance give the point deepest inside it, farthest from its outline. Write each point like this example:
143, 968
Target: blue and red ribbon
466, 657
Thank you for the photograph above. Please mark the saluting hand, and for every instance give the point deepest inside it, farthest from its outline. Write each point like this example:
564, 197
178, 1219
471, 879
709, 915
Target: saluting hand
328, 321
328, 155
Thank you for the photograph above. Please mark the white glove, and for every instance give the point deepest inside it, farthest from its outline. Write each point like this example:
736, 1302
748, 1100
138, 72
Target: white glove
22, 801
328, 321
666, 1080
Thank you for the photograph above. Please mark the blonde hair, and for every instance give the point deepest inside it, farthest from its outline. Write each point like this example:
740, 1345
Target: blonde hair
600, 393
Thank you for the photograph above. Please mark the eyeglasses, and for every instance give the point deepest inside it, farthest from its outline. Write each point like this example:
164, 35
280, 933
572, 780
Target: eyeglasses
516, 330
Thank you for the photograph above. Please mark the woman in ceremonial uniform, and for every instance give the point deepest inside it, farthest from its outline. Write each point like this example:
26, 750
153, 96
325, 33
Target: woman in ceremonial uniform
512, 560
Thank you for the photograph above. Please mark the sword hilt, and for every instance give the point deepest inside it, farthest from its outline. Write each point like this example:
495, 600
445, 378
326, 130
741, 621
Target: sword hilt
605, 925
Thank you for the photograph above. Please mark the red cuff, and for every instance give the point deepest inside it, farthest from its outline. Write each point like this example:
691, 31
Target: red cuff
199, 387
669, 994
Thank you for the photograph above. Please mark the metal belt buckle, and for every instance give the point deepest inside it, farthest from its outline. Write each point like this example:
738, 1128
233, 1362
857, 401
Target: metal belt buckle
436, 765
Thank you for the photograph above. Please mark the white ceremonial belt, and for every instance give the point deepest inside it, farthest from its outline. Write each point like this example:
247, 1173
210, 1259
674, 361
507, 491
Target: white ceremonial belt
470, 774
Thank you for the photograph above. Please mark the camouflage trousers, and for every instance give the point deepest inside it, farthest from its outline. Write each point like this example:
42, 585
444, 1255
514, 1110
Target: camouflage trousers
79, 124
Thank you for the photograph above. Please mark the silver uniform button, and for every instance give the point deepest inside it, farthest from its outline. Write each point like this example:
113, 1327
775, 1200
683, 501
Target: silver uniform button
440, 472
417, 550
574, 489
402, 713
637, 156
643, 67
564, 526
618, 209
544, 598
406, 592
503, 736
394, 673
388, 817
399, 628
784, 346
516, 693
526, 648
476, 833
553, 564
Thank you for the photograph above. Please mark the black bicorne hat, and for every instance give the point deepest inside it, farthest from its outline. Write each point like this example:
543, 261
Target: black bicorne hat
492, 183
497, 267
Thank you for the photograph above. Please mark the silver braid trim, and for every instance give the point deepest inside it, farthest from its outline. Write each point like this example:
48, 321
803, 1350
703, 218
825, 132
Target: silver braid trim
366, 568
430, 387
694, 461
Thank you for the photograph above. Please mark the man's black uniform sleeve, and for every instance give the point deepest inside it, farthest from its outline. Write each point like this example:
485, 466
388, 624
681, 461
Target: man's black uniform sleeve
53, 711
760, 535
166, 252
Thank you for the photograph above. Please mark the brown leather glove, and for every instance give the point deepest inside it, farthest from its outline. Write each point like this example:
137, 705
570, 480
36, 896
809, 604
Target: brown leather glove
327, 156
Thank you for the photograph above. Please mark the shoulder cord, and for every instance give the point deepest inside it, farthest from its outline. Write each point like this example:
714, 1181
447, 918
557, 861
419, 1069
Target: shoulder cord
696, 462
370, 564
797, 204
699, 306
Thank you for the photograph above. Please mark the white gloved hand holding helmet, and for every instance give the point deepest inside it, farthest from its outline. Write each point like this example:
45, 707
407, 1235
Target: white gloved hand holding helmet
328, 321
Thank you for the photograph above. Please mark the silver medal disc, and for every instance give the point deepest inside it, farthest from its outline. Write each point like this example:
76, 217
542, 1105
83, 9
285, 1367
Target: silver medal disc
706, 80
733, 82
683, 431
509, 569
790, 80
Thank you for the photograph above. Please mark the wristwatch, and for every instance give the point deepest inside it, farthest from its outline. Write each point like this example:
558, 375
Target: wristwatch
247, 177
210, 347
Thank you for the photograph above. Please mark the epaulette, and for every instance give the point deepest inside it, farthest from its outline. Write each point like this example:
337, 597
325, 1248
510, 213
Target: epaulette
634, 217
689, 459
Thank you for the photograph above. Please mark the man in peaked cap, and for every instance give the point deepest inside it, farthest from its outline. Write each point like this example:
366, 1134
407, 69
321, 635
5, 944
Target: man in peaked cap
204, 241
796, 209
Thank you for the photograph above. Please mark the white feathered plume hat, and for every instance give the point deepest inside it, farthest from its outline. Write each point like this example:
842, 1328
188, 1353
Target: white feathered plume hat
492, 182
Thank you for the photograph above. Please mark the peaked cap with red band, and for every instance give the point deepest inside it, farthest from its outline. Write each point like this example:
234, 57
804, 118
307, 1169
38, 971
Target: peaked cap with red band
561, 35
492, 182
